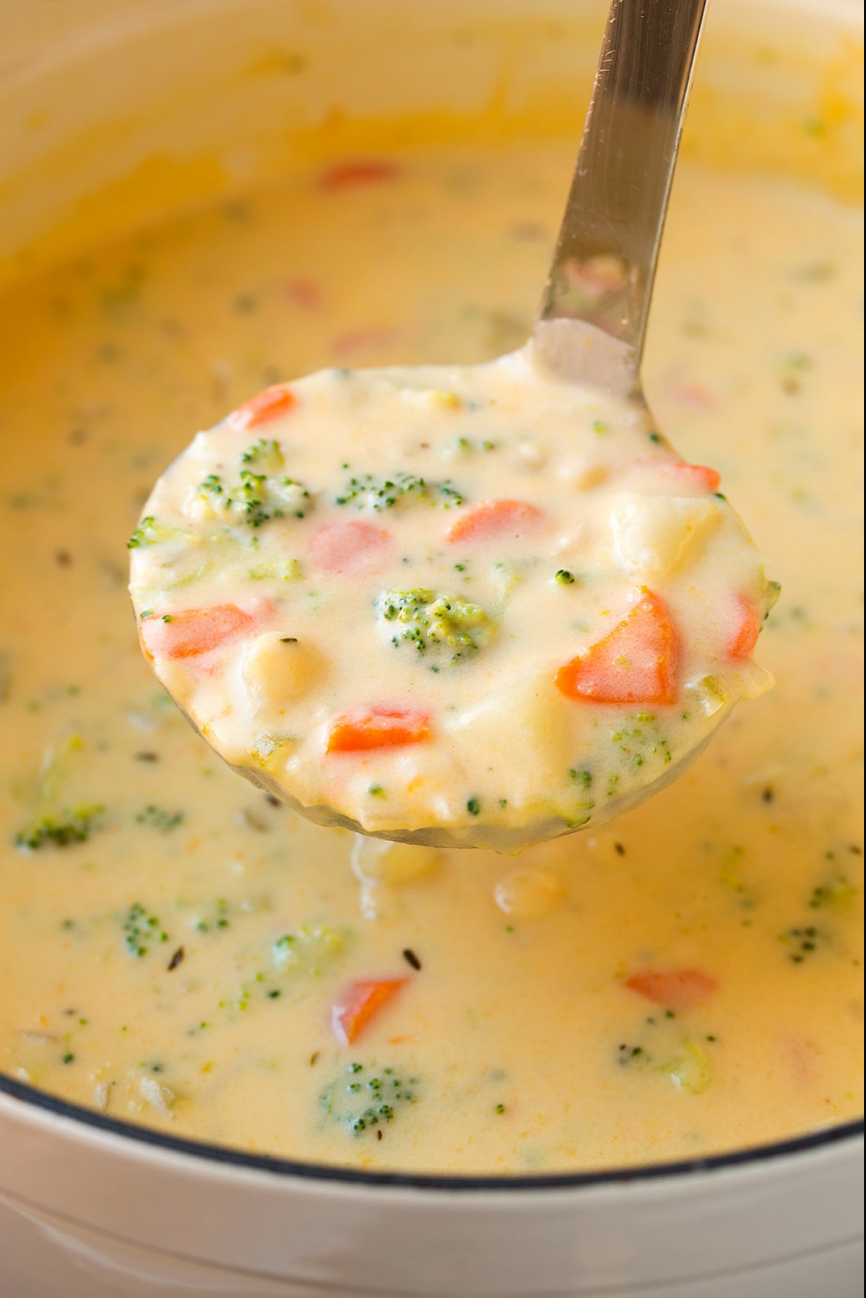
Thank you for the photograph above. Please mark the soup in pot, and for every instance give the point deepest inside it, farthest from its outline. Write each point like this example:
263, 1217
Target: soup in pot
367, 645
177, 949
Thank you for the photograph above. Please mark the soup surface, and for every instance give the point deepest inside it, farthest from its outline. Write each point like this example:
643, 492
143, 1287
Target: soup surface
535, 614
177, 950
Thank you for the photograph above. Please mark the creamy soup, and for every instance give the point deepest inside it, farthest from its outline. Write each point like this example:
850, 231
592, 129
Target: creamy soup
176, 949
469, 601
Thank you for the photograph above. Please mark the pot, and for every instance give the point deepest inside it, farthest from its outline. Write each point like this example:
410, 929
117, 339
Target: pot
119, 112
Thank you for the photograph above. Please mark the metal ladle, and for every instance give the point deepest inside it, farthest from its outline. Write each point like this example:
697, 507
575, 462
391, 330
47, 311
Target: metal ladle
593, 318
615, 213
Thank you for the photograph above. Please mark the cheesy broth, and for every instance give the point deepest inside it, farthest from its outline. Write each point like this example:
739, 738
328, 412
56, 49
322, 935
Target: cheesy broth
177, 950
467, 601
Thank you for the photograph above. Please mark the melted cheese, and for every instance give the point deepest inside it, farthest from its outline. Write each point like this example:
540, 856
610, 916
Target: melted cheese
682, 981
474, 600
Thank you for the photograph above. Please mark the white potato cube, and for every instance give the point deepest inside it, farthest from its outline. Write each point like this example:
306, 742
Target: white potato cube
524, 735
278, 669
529, 893
653, 534
376, 861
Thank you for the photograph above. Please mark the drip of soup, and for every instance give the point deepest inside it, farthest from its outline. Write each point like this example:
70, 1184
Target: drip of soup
470, 599
176, 949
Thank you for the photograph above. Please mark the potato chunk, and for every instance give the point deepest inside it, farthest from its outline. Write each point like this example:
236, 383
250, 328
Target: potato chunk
279, 669
522, 733
654, 534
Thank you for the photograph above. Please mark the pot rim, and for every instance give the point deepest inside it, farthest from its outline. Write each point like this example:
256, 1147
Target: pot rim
127, 1139
126, 1135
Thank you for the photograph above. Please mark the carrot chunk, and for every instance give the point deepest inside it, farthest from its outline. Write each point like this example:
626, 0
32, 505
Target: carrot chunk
353, 174
748, 627
360, 1002
695, 476
347, 547
274, 401
680, 990
494, 518
194, 631
362, 730
635, 663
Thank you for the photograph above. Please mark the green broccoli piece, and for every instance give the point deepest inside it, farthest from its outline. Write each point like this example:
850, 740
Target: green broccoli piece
838, 895
368, 492
256, 498
159, 818
802, 943
149, 532
364, 1100
431, 622
307, 950
141, 930
266, 454
71, 826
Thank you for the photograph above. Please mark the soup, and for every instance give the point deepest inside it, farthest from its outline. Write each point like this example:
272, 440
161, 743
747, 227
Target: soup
372, 642
178, 951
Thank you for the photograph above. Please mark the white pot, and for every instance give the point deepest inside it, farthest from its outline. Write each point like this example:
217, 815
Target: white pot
93, 1208
90, 1213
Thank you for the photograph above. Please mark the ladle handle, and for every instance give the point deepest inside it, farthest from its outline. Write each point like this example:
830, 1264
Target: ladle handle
605, 260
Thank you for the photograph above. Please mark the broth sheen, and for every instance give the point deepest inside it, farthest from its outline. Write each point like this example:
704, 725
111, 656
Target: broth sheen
682, 981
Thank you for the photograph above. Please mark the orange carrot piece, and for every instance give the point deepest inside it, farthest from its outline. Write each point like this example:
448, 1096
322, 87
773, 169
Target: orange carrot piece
695, 395
347, 547
696, 476
494, 518
194, 631
359, 1004
742, 643
365, 729
352, 343
680, 990
305, 292
635, 663
273, 402
352, 174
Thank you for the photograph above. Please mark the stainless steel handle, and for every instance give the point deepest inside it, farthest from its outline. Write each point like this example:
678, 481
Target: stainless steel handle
605, 260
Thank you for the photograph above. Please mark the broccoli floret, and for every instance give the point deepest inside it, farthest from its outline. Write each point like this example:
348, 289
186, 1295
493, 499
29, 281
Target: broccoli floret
367, 492
307, 950
141, 930
836, 895
159, 818
364, 1100
257, 497
71, 826
149, 532
802, 943
266, 454
430, 622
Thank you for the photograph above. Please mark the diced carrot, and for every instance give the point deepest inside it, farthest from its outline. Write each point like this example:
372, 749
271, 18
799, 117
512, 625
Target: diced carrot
494, 518
680, 990
359, 1004
352, 174
274, 401
353, 343
365, 729
695, 476
196, 631
692, 394
803, 1060
305, 292
748, 627
347, 547
635, 663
